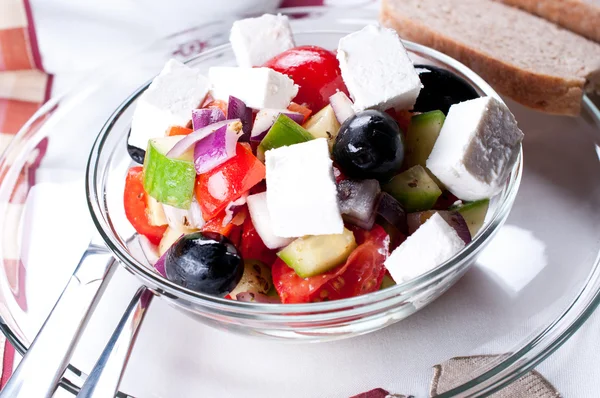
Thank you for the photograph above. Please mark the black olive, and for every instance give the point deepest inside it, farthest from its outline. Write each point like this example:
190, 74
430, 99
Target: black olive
135, 153
205, 262
369, 145
441, 89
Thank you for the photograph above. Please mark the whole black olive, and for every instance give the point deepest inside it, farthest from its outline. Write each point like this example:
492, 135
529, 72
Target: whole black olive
441, 89
369, 145
205, 262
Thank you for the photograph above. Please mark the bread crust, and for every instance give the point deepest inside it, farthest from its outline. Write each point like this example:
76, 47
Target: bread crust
579, 16
539, 91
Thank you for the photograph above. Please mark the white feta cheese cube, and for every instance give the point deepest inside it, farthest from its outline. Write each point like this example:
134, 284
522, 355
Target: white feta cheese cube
476, 149
258, 87
259, 213
257, 40
377, 70
429, 246
301, 192
168, 101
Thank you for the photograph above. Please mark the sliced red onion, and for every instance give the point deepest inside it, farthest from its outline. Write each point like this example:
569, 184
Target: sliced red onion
392, 211
216, 148
253, 297
205, 117
233, 208
453, 218
160, 265
357, 201
265, 118
180, 219
342, 106
237, 109
189, 140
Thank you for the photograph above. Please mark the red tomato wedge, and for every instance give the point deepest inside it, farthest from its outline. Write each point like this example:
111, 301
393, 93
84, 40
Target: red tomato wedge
315, 69
135, 201
362, 273
252, 247
228, 181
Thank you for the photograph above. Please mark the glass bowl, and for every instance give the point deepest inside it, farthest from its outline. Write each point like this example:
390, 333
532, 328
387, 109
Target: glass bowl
106, 172
530, 290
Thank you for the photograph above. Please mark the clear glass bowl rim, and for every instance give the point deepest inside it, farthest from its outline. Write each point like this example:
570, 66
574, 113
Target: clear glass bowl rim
117, 246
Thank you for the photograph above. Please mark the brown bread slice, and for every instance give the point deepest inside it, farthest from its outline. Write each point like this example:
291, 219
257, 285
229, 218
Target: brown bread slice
523, 56
580, 16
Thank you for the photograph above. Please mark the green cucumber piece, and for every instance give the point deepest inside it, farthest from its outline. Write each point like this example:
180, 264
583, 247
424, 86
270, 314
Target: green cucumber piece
169, 181
414, 189
284, 132
324, 124
423, 131
314, 255
255, 279
386, 282
474, 214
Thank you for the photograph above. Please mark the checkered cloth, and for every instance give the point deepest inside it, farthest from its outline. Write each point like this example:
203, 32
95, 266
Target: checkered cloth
24, 87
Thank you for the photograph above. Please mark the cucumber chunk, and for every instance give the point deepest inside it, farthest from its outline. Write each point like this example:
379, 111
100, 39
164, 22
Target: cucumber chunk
324, 124
414, 189
313, 255
255, 279
169, 181
386, 282
422, 133
474, 214
284, 132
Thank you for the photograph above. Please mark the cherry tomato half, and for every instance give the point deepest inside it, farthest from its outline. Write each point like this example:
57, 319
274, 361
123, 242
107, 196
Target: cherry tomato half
136, 209
315, 69
362, 273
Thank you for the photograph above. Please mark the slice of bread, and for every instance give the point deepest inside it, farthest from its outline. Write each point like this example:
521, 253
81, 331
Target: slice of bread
522, 56
580, 16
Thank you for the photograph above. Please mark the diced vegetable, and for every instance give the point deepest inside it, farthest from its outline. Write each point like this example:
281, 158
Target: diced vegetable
324, 124
453, 218
342, 106
265, 118
392, 211
222, 105
168, 180
228, 181
237, 109
414, 189
206, 116
252, 246
178, 130
170, 236
422, 134
256, 279
357, 201
252, 297
303, 110
156, 212
184, 220
190, 140
474, 214
135, 201
284, 132
218, 224
313, 255
387, 282
216, 148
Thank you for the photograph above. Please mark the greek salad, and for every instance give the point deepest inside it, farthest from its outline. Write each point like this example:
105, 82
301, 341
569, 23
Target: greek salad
305, 174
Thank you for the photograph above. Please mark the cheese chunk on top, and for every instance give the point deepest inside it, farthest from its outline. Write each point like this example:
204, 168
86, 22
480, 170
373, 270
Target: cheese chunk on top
301, 191
377, 70
433, 243
257, 40
258, 87
476, 149
261, 219
168, 101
